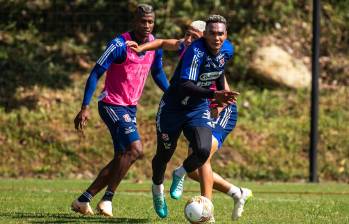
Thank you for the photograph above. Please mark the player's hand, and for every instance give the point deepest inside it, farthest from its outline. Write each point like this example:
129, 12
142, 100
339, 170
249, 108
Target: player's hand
215, 111
134, 46
223, 97
81, 119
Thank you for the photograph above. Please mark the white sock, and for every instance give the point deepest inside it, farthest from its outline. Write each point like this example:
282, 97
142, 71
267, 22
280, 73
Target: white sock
180, 171
234, 192
158, 189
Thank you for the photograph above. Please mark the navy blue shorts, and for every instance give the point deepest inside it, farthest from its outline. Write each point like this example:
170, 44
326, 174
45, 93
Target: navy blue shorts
121, 122
225, 123
173, 122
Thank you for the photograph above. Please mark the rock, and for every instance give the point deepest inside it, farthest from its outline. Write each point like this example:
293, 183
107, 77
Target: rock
275, 65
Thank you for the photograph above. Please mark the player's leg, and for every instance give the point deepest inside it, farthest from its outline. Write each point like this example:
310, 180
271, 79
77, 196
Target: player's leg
198, 131
224, 125
128, 148
200, 139
82, 204
168, 127
219, 183
166, 146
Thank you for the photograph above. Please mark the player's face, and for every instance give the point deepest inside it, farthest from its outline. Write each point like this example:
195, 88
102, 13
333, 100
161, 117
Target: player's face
215, 34
191, 35
144, 25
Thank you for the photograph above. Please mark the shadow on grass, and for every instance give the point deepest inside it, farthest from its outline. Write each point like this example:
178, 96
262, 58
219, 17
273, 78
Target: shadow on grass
68, 218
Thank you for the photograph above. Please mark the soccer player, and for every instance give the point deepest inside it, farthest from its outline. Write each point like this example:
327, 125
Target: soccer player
126, 75
184, 107
224, 120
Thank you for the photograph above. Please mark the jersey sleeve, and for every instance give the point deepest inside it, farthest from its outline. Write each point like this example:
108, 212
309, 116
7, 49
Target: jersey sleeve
229, 50
157, 63
191, 63
181, 47
91, 83
115, 52
158, 72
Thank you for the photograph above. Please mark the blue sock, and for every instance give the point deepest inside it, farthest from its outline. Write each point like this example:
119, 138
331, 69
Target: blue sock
108, 196
85, 197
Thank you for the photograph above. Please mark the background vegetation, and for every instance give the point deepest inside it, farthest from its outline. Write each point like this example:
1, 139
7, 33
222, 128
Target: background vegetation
48, 47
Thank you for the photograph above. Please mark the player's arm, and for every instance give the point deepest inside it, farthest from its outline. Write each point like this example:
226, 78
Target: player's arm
158, 72
166, 44
221, 84
115, 52
191, 63
226, 84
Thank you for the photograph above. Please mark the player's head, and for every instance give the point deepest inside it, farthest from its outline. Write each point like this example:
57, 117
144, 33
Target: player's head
144, 20
194, 31
215, 32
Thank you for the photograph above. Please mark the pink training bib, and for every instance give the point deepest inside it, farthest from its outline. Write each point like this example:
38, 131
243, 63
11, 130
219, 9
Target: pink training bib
124, 82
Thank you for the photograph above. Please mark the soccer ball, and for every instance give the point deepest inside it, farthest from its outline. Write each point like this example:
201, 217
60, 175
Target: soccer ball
198, 209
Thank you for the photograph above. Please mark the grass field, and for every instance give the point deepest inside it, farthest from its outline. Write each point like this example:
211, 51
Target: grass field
48, 201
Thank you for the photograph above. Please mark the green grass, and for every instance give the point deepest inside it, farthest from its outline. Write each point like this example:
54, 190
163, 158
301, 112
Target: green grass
48, 201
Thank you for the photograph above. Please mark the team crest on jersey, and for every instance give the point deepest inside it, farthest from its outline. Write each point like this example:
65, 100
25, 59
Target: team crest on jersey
127, 118
221, 62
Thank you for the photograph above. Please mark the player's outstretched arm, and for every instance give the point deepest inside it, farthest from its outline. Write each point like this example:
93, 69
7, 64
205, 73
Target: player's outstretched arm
166, 44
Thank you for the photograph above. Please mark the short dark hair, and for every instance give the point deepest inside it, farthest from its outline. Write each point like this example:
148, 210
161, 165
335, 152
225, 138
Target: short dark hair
216, 19
144, 9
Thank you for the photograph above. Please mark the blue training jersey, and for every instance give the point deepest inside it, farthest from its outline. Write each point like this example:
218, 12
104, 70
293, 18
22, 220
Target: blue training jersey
201, 67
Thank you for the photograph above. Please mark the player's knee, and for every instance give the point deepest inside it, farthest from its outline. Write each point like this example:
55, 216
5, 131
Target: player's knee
203, 154
136, 153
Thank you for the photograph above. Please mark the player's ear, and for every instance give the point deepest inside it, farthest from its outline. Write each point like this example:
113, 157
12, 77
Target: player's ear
205, 33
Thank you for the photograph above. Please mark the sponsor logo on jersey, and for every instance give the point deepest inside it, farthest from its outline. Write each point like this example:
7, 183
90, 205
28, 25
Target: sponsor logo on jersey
204, 84
210, 75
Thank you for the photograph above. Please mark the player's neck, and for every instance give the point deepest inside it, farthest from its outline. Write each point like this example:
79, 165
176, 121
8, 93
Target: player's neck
213, 52
140, 39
